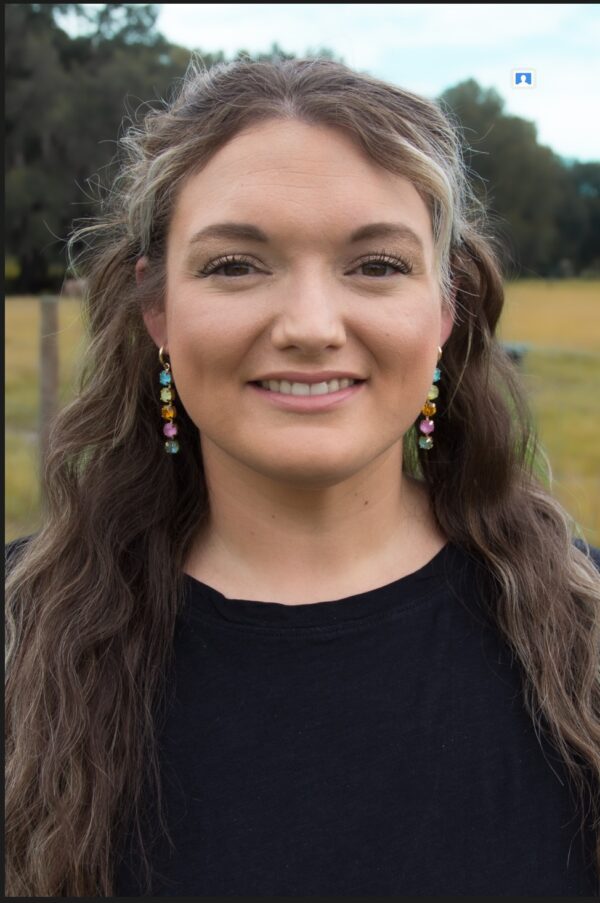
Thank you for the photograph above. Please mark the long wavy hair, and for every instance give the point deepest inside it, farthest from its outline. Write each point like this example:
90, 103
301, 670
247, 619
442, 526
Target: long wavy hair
93, 597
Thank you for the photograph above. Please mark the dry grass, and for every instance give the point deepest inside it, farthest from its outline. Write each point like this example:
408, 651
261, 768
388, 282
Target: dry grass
560, 320
561, 371
553, 314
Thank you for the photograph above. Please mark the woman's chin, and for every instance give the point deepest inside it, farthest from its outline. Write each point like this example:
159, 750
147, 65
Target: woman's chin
306, 472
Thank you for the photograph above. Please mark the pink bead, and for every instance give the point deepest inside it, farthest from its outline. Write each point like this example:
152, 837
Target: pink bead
427, 426
170, 430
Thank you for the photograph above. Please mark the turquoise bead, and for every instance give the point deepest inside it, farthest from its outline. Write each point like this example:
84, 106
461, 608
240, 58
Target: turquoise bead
172, 447
436, 375
425, 442
165, 378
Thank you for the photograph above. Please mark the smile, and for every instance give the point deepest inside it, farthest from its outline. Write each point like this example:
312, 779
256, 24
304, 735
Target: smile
284, 387
304, 400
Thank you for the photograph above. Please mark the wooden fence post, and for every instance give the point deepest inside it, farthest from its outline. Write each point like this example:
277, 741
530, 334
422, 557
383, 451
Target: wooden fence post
48, 368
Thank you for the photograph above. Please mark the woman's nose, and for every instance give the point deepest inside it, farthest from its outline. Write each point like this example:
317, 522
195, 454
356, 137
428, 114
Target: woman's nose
310, 317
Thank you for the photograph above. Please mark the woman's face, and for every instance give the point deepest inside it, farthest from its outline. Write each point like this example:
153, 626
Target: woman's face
296, 292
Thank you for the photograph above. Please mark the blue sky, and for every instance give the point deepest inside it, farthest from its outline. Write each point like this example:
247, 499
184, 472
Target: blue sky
428, 47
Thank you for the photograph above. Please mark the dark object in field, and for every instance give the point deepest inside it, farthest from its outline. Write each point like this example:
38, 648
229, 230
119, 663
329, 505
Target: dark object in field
516, 351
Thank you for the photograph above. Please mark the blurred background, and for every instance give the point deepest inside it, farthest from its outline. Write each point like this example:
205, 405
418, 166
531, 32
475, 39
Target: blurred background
75, 72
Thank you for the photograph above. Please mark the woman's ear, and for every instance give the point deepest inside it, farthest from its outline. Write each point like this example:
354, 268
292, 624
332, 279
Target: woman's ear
447, 320
155, 318
140, 269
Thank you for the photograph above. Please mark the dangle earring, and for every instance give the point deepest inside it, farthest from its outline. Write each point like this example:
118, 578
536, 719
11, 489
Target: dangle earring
427, 426
168, 412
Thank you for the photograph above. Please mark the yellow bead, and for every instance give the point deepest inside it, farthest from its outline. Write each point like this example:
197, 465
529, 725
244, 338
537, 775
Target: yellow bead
168, 411
429, 409
167, 394
433, 393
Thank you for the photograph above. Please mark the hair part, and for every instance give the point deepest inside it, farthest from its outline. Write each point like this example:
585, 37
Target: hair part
93, 599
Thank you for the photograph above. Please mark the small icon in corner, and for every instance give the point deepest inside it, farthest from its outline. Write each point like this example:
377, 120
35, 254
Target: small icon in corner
523, 78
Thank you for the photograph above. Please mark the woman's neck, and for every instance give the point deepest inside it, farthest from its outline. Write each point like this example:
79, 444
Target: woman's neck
271, 541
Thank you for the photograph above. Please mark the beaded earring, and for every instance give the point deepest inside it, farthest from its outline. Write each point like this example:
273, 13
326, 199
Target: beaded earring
168, 411
427, 426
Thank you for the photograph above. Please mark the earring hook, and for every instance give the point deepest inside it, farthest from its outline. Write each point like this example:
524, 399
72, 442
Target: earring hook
164, 363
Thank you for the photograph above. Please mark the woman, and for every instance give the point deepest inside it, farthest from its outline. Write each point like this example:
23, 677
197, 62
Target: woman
329, 634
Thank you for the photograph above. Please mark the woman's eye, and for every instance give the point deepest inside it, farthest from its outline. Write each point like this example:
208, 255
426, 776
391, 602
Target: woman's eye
230, 266
377, 266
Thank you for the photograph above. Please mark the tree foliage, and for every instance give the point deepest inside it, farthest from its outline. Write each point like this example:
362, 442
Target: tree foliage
66, 98
546, 210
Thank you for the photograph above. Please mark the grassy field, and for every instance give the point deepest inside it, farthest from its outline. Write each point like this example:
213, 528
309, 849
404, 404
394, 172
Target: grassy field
559, 321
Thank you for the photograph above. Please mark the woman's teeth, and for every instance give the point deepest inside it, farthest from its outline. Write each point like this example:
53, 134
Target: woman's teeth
288, 388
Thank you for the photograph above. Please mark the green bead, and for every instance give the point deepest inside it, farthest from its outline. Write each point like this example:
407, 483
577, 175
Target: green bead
172, 447
433, 393
425, 442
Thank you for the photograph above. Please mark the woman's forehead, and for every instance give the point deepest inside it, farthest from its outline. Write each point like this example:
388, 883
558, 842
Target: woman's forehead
290, 171
296, 151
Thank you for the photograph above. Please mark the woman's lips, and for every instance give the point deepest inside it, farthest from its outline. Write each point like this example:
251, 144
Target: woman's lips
308, 403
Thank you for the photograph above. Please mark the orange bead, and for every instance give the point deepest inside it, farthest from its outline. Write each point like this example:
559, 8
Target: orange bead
429, 409
168, 411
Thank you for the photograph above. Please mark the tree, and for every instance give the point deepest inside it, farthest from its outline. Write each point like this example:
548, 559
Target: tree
35, 87
579, 218
523, 183
65, 101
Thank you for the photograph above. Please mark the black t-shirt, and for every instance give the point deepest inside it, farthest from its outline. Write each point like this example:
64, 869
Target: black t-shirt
372, 745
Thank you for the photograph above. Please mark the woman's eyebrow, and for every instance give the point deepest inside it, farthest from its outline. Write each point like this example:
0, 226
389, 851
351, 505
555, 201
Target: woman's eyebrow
248, 232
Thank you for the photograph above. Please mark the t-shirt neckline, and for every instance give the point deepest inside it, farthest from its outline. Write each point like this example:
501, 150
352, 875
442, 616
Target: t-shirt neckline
206, 601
